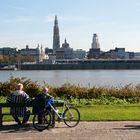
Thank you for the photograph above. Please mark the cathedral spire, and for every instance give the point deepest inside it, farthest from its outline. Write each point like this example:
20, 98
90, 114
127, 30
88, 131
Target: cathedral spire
56, 21
56, 37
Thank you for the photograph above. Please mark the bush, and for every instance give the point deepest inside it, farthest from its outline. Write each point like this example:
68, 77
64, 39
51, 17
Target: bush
128, 92
30, 87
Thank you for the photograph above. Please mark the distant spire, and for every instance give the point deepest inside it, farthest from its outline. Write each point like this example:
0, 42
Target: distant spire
65, 44
55, 21
41, 48
65, 40
56, 37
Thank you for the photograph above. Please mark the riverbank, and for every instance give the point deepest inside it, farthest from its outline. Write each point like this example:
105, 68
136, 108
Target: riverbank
84, 65
78, 65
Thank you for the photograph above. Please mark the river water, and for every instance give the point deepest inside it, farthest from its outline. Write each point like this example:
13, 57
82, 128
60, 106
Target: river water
86, 78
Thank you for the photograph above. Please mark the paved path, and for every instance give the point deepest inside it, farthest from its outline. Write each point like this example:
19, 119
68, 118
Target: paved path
119, 130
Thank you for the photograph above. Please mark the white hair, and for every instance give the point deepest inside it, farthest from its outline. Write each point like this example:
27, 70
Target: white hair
19, 86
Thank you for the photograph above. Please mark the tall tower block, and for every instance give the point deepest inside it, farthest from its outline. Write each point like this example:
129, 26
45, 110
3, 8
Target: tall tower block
95, 43
56, 37
94, 51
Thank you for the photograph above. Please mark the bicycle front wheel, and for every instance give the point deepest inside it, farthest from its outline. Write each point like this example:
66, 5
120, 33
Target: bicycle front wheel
71, 116
42, 120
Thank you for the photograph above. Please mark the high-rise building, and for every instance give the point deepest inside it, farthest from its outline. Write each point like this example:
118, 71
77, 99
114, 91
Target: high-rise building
94, 51
95, 43
56, 37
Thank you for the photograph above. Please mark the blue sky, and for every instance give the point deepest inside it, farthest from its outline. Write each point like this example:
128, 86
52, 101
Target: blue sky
117, 23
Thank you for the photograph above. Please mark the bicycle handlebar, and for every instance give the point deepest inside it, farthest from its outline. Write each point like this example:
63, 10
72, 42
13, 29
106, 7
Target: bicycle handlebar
50, 101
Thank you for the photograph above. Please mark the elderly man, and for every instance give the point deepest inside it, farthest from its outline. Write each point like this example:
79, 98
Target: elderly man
40, 105
19, 97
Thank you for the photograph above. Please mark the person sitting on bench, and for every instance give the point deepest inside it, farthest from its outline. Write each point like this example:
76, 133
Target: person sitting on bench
19, 97
40, 103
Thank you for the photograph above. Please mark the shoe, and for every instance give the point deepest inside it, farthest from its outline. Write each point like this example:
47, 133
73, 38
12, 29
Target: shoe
25, 119
19, 123
17, 120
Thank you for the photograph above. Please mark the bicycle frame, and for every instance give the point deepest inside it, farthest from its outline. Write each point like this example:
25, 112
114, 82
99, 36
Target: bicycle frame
69, 114
65, 106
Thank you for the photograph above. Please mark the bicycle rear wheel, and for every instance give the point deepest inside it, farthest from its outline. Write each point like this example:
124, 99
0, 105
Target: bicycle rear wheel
42, 120
71, 116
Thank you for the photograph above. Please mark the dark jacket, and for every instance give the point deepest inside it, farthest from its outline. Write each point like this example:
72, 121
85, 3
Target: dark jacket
40, 102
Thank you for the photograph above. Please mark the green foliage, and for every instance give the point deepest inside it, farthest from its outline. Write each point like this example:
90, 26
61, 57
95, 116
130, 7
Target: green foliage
83, 95
2, 99
30, 87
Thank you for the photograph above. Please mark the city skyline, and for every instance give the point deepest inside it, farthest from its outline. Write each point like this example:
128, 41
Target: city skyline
31, 22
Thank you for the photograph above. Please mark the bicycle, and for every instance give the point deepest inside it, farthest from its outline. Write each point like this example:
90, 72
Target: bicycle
69, 114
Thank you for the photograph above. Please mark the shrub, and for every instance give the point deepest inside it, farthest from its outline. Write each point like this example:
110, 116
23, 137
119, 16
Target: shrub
128, 92
32, 88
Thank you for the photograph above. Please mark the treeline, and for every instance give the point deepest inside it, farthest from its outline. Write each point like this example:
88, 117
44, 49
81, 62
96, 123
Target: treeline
16, 58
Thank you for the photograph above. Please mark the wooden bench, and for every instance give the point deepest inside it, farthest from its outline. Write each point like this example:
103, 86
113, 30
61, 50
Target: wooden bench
7, 105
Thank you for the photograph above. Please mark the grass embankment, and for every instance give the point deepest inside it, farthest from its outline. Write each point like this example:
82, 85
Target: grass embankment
94, 103
104, 113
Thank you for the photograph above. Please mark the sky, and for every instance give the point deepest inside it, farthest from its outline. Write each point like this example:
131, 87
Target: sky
116, 22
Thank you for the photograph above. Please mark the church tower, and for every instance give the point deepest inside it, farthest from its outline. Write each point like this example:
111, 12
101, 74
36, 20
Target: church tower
56, 37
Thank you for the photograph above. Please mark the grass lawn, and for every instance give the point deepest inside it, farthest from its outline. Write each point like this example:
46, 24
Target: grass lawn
104, 113
110, 112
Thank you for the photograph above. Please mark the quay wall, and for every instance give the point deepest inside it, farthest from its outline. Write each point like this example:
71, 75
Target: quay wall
84, 65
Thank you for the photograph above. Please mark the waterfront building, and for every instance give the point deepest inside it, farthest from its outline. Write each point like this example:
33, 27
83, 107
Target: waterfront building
65, 52
32, 52
79, 54
113, 54
68, 52
56, 37
48, 51
94, 51
131, 55
120, 52
137, 55
59, 54
117, 53
8, 51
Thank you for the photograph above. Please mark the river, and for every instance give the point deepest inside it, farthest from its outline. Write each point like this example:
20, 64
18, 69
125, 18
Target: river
86, 78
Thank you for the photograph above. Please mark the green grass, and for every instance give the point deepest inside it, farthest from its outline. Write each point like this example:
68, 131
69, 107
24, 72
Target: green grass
104, 113
110, 112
